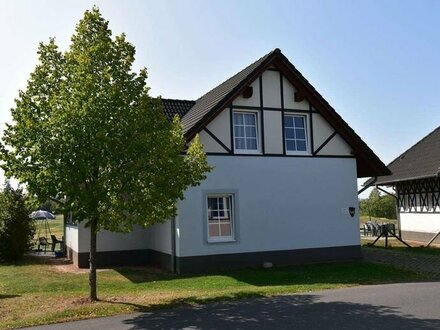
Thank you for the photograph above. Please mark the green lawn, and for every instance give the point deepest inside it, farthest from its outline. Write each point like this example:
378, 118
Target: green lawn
33, 293
55, 225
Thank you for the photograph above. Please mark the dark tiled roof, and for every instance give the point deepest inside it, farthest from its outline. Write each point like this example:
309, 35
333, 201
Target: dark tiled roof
422, 160
211, 99
173, 107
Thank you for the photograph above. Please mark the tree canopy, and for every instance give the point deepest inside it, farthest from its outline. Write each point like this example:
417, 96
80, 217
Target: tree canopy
378, 205
86, 130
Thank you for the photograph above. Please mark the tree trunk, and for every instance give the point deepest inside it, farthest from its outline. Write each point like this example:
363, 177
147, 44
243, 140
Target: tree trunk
92, 260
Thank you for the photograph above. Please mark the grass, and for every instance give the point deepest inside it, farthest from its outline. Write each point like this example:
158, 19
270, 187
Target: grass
32, 293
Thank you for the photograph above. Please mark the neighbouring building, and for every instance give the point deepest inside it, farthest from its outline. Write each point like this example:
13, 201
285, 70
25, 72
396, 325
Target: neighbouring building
283, 188
415, 179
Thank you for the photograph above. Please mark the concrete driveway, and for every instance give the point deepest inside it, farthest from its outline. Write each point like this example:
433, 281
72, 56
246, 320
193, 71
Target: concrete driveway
392, 306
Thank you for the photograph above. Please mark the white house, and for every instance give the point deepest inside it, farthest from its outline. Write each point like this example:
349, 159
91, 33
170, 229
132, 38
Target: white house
416, 180
283, 188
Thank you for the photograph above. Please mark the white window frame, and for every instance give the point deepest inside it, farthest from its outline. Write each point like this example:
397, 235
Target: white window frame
219, 239
258, 132
307, 134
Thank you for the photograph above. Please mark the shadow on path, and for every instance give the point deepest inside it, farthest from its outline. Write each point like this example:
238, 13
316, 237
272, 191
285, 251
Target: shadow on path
285, 312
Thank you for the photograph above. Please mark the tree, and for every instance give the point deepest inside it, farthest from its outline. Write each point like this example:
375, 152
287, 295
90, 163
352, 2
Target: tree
16, 229
86, 130
378, 205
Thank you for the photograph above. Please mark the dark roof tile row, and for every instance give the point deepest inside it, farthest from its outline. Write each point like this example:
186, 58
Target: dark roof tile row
422, 160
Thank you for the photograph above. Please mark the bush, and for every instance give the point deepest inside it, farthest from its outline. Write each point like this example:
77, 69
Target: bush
16, 229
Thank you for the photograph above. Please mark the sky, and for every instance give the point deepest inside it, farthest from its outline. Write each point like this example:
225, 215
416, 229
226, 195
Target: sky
375, 62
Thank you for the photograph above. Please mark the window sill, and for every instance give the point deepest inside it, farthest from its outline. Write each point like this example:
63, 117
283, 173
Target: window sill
225, 240
301, 153
247, 152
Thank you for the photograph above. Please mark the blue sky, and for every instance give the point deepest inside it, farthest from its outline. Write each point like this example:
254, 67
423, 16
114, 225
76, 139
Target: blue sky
376, 62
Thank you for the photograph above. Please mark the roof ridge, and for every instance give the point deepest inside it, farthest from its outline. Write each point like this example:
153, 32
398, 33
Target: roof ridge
414, 145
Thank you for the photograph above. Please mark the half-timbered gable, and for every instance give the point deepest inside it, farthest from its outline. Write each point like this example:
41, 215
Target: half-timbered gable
415, 179
270, 109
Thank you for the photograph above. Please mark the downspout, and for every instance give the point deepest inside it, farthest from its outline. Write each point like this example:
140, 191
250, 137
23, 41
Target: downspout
173, 245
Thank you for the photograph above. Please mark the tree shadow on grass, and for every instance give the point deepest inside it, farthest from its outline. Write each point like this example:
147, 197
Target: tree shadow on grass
282, 312
192, 301
8, 296
357, 272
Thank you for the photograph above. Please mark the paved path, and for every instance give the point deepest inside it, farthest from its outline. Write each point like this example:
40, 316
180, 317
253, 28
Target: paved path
393, 306
418, 262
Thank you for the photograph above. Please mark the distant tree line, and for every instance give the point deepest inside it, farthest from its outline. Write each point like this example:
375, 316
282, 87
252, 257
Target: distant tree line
378, 205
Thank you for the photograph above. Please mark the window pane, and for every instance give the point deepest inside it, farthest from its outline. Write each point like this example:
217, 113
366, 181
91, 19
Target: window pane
289, 133
249, 119
239, 131
212, 203
288, 121
240, 143
225, 229
251, 131
214, 230
227, 202
290, 145
238, 119
300, 133
299, 121
301, 145
251, 144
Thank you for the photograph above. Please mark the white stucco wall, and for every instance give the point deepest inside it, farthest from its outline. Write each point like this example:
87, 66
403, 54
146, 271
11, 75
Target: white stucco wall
273, 132
159, 237
220, 127
281, 204
420, 222
321, 129
336, 146
209, 144
72, 237
108, 241
271, 89
289, 97
254, 100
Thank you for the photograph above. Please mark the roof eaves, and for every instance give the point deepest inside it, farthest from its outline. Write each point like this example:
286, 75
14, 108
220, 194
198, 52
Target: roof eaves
385, 182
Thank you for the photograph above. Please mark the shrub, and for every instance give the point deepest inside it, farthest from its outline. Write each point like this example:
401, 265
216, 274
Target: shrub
16, 229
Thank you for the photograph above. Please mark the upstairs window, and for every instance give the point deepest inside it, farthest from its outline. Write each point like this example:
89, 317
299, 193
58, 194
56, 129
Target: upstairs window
246, 132
295, 133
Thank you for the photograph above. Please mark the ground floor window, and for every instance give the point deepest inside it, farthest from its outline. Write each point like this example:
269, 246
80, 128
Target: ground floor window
220, 218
